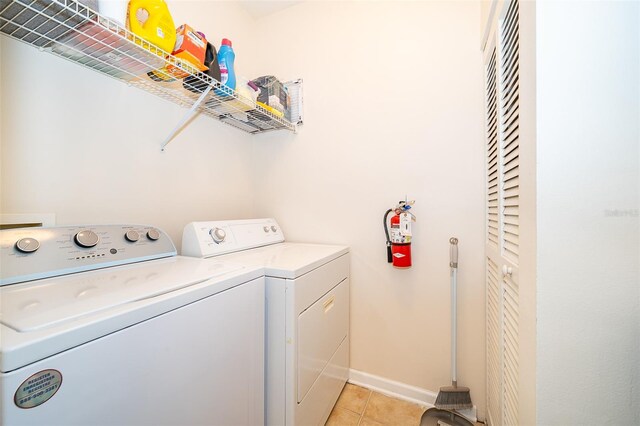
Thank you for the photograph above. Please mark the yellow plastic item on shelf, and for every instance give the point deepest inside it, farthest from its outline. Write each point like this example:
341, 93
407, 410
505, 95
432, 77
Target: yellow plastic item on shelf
271, 109
151, 20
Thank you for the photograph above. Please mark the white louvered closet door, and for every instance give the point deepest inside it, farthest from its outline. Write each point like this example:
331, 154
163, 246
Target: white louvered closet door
502, 210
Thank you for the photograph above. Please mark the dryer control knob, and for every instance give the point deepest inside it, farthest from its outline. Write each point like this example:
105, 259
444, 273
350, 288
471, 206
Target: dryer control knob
218, 235
273, 228
153, 234
265, 228
27, 245
86, 239
132, 236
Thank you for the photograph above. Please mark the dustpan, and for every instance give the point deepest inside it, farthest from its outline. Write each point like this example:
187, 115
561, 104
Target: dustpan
438, 417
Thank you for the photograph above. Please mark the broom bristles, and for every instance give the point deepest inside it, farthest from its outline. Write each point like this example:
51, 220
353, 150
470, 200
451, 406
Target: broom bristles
454, 398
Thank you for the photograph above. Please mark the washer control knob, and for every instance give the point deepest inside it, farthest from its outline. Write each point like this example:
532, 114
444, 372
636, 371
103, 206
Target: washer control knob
86, 239
265, 228
218, 235
132, 236
27, 245
153, 234
273, 228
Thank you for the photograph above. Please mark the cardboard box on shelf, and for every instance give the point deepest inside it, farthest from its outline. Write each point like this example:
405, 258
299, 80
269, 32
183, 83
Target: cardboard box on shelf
190, 46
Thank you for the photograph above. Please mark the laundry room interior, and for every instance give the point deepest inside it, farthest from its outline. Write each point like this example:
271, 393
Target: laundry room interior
395, 114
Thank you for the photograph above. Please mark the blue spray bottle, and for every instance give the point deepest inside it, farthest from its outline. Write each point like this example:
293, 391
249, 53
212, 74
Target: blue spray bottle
225, 61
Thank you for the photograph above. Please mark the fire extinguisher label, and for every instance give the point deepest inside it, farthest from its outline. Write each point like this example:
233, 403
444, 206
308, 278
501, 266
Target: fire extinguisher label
405, 224
398, 238
398, 255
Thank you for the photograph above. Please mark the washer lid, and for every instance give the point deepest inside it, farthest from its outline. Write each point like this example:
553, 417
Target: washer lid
288, 260
42, 318
42, 304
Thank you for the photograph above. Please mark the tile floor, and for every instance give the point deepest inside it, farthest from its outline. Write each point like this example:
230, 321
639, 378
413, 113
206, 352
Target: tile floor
358, 406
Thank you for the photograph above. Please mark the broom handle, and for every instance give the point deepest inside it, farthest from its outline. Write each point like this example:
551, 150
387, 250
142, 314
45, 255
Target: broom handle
453, 264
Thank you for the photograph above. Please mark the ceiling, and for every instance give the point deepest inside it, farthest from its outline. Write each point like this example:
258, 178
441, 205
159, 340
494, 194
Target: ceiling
262, 8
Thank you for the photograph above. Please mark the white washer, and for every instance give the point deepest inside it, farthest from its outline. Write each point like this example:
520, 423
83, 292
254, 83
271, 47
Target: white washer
307, 290
105, 325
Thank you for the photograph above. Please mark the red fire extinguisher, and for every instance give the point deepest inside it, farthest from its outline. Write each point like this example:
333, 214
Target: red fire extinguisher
399, 239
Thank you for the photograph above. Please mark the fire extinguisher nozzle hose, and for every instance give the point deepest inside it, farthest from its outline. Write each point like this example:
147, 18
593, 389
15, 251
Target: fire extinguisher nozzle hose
386, 232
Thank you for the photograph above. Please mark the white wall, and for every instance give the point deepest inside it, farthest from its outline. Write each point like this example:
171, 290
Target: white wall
87, 148
393, 106
1, 126
588, 110
393, 96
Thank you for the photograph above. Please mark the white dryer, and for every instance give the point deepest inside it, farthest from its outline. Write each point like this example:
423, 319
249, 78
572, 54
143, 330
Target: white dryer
105, 325
307, 290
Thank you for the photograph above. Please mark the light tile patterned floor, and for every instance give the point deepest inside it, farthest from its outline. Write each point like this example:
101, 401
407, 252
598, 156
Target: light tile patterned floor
358, 406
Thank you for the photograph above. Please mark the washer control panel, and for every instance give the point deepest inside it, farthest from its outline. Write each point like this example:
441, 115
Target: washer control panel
206, 239
218, 235
33, 253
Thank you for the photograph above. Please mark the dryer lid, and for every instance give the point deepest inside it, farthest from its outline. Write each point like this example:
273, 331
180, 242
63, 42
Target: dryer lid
288, 260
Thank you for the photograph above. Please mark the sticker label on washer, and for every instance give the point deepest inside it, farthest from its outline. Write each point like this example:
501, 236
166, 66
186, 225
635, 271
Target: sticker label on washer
38, 389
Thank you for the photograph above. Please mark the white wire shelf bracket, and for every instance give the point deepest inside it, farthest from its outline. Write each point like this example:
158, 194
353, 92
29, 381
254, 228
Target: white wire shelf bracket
73, 31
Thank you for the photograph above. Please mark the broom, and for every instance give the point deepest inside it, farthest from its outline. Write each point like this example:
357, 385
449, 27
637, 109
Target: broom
453, 397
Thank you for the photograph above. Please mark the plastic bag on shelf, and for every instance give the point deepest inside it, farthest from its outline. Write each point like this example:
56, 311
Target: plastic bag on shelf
273, 94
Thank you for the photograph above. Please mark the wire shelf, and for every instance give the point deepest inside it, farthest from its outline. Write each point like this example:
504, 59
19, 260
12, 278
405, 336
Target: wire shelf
77, 33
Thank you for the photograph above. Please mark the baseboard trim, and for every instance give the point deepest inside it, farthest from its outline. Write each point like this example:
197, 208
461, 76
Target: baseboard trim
392, 388
400, 390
